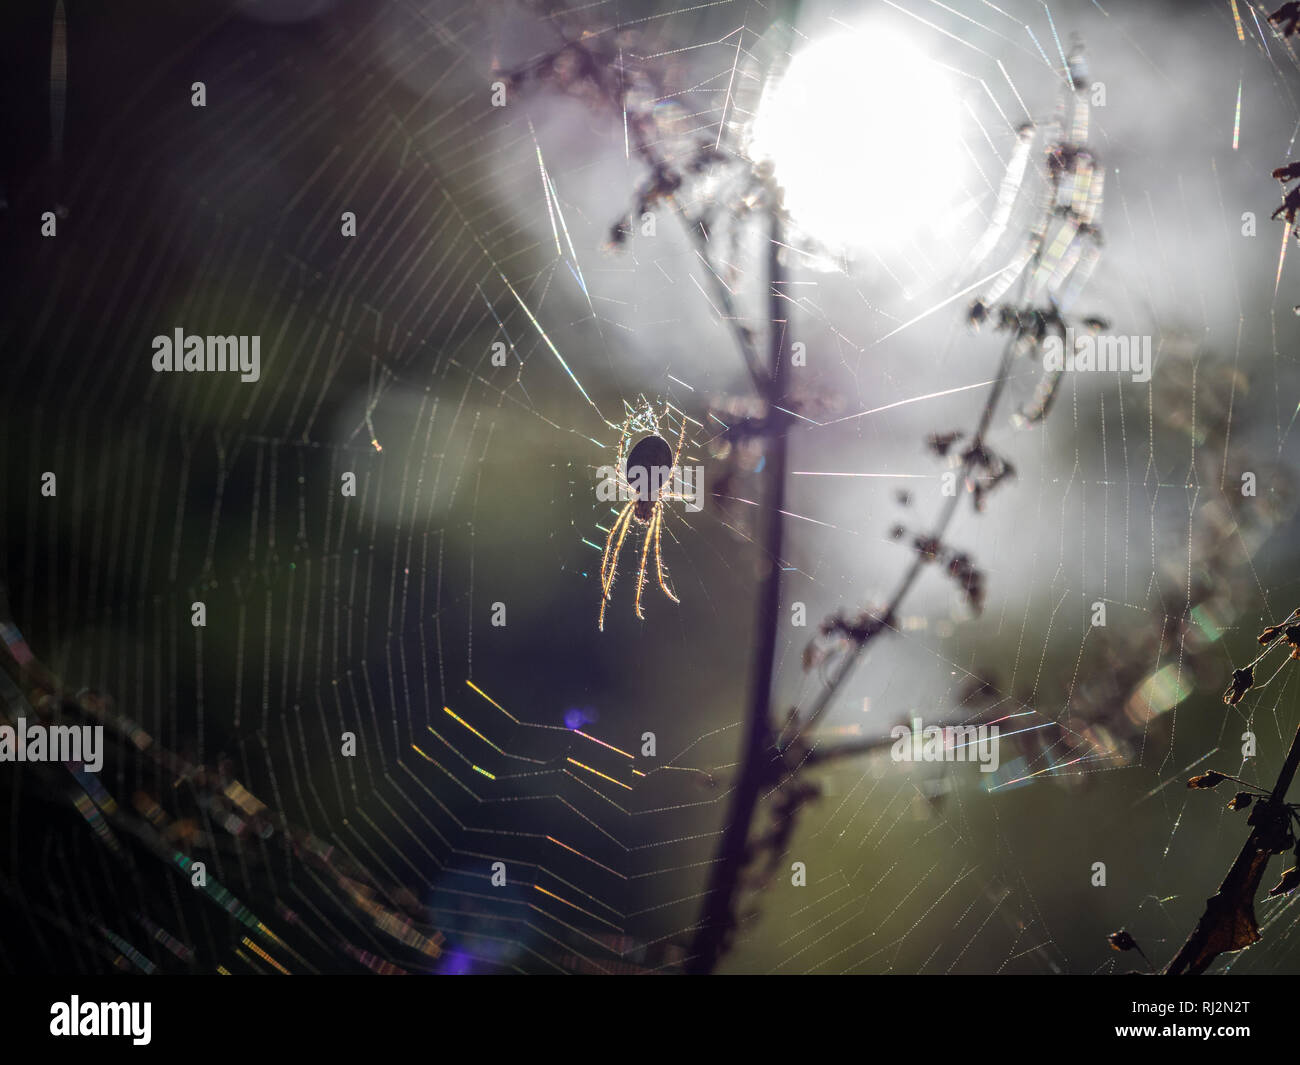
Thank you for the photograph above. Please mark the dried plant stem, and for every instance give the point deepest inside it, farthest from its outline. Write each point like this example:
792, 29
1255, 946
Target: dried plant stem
744, 337
715, 926
809, 718
1241, 881
758, 756
697, 231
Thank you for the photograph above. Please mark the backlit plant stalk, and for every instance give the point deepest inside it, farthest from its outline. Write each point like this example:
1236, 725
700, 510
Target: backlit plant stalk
1228, 922
772, 762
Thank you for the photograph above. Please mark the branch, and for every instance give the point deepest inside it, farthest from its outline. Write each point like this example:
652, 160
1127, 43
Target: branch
846, 664
717, 921
743, 335
760, 762
1228, 923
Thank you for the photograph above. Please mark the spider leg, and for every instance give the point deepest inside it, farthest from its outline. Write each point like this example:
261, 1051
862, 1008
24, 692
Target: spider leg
673, 472
659, 561
624, 488
623, 437
680, 497
609, 561
645, 554
681, 439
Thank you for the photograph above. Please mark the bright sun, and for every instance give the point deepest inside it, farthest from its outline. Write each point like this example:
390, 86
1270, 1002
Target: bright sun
863, 131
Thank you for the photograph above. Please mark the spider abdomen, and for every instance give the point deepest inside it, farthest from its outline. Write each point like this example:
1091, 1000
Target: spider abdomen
649, 470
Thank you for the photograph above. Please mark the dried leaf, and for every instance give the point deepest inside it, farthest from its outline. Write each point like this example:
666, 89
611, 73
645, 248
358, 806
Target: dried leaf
1212, 779
1228, 923
1242, 680
1241, 800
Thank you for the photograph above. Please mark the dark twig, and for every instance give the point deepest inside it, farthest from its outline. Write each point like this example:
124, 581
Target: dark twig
888, 615
975, 458
743, 335
760, 762
1228, 922
714, 931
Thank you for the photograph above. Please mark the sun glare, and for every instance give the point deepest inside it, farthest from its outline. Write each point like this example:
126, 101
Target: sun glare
863, 131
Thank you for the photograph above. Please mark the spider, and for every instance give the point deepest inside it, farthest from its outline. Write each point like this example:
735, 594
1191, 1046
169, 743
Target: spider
650, 469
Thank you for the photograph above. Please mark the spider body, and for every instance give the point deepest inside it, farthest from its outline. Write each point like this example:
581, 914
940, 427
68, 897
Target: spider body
644, 480
649, 472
